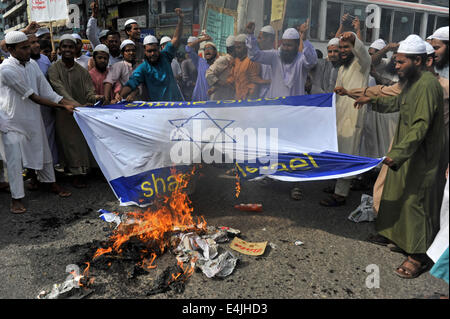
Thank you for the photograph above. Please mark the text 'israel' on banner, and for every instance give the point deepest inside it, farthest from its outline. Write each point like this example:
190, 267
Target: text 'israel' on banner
137, 144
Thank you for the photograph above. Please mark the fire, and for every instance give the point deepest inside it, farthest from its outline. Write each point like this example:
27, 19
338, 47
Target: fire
238, 185
155, 226
187, 272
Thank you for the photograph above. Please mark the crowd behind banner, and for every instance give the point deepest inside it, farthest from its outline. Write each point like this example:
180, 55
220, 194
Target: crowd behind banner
392, 102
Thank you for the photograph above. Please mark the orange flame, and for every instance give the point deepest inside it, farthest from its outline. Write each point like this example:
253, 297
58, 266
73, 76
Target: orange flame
173, 213
238, 185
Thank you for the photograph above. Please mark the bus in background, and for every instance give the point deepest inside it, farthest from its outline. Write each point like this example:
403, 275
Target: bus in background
390, 20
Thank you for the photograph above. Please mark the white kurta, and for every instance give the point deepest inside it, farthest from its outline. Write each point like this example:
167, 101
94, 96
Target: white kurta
287, 79
440, 243
20, 114
349, 120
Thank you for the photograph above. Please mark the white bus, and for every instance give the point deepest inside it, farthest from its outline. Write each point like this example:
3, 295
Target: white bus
390, 20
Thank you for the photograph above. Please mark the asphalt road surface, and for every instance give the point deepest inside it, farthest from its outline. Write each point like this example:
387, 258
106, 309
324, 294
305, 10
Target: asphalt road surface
335, 260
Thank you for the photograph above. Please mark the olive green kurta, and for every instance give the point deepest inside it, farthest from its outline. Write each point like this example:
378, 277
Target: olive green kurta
73, 84
412, 195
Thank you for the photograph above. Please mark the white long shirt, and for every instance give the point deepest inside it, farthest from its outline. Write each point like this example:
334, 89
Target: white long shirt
19, 114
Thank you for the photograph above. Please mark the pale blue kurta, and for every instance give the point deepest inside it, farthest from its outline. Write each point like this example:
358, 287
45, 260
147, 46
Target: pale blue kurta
287, 79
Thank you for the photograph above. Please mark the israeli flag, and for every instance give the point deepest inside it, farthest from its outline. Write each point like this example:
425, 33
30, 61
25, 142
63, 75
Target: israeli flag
138, 145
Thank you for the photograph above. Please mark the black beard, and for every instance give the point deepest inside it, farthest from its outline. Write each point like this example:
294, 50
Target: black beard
410, 78
287, 57
348, 60
35, 56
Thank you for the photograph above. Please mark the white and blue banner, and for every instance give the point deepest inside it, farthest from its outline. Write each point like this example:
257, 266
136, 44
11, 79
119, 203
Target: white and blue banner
138, 144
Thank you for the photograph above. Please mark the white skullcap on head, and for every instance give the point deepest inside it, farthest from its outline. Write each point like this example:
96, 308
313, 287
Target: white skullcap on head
378, 44
150, 39
413, 44
125, 43
291, 34
240, 38
130, 21
42, 31
13, 37
211, 44
67, 37
192, 39
103, 33
102, 48
230, 41
165, 39
268, 29
333, 42
429, 48
441, 34
76, 36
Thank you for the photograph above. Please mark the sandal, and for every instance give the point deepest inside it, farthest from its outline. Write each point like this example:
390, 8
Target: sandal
60, 191
32, 185
410, 268
296, 193
17, 210
378, 240
332, 202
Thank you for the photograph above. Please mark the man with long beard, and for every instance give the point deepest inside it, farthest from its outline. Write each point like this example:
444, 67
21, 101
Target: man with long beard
156, 70
410, 205
439, 41
289, 66
353, 73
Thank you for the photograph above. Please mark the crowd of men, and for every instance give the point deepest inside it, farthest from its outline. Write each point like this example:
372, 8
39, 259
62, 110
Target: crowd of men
392, 102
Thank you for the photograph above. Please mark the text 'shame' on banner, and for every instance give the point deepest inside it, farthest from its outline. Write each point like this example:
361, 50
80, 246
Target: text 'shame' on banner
138, 144
48, 10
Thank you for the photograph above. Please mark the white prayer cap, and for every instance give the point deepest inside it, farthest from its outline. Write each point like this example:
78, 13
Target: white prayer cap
192, 39
76, 36
211, 44
441, 34
378, 44
14, 37
413, 44
240, 38
130, 21
291, 34
333, 42
150, 39
102, 48
42, 31
165, 39
430, 37
429, 48
67, 37
125, 43
268, 29
230, 41
103, 33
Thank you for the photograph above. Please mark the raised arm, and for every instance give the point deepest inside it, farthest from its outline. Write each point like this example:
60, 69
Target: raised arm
179, 30
254, 52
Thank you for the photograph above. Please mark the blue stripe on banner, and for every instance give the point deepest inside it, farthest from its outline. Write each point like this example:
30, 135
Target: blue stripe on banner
317, 100
143, 188
307, 165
